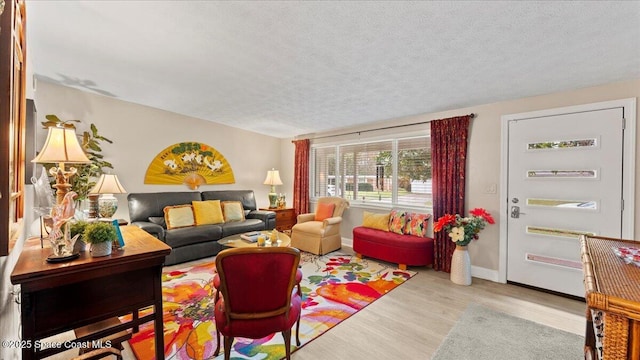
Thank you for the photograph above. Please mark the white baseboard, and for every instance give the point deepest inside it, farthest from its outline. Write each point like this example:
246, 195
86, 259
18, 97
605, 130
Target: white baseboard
476, 271
484, 273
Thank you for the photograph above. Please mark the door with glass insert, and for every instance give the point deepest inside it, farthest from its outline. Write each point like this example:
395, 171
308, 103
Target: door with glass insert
565, 179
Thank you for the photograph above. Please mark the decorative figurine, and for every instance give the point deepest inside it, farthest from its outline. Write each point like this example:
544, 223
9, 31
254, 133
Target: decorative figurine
61, 241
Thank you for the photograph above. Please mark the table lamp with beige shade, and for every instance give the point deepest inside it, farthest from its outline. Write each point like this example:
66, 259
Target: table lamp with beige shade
273, 179
107, 185
62, 147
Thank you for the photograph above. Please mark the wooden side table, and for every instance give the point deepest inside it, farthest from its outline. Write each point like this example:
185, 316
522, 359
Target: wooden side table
285, 218
613, 289
70, 295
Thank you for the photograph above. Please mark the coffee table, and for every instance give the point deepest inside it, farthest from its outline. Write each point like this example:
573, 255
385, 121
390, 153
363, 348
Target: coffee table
236, 242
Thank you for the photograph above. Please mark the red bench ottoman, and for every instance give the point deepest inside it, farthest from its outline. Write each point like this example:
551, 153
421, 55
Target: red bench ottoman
391, 247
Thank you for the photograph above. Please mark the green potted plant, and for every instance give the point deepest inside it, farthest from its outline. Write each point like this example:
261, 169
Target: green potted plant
87, 174
100, 235
77, 228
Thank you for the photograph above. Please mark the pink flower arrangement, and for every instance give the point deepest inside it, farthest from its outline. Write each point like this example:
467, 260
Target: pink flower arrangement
462, 230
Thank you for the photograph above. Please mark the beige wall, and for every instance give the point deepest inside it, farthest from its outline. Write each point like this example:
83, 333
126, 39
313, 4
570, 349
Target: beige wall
139, 133
484, 157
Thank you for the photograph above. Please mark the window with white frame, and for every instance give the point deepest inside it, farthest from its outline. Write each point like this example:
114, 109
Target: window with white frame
387, 172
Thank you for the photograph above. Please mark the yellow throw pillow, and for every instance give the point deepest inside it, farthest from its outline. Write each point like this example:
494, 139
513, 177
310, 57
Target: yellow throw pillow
178, 216
376, 221
207, 212
232, 211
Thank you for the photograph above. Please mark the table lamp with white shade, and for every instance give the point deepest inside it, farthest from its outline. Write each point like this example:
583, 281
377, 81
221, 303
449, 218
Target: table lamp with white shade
273, 179
107, 185
62, 147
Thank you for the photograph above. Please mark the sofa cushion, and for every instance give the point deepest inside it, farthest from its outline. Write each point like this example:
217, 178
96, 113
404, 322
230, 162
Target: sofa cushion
391, 247
237, 227
324, 211
232, 211
144, 205
192, 235
246, 197
397, 221
313, 228
207, 212
178, 216
158, 220
417, 224
375, 221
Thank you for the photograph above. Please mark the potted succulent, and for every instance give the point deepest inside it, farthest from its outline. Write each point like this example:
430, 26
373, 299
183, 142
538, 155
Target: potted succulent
100, 235
77, 228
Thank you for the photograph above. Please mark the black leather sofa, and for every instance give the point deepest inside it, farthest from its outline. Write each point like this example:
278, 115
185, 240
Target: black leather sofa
146, 210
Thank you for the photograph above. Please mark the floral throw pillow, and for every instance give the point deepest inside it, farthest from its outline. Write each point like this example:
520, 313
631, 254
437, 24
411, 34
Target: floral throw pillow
417, 224
397, 221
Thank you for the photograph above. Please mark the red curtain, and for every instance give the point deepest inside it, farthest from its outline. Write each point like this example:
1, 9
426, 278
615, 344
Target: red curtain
449, 160
301, 176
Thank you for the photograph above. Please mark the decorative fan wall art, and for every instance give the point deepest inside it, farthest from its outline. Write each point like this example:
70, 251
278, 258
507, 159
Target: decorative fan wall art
189, 163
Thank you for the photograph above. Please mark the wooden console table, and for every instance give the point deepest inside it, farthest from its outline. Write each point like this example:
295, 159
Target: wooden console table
612, 288
64, 296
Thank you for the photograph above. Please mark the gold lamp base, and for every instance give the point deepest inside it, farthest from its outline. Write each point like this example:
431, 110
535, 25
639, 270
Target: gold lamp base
62, 185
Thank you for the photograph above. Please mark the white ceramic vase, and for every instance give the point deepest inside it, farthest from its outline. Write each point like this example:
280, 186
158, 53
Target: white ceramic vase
79, 246
101, 249
461, 266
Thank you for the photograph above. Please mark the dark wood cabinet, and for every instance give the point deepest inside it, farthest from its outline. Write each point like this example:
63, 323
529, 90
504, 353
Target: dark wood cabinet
285, 218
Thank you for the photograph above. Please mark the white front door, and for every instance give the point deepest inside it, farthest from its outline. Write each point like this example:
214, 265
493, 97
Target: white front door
565, 178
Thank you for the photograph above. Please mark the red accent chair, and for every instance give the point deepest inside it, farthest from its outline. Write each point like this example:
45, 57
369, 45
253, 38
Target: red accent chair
256, 296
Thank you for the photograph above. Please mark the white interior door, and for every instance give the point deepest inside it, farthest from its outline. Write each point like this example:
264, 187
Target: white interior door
564, 179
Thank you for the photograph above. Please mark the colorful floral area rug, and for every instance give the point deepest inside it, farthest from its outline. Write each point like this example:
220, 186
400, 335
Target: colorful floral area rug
334, 286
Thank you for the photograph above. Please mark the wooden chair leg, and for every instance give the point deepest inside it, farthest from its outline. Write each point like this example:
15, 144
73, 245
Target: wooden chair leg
298, 331
228, 340
215, 353
287, 343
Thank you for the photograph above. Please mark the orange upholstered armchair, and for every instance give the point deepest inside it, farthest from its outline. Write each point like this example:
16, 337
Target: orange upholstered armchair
256, 294
319, 232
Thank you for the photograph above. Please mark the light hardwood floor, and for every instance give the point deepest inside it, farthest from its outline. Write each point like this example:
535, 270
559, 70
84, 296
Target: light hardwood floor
412, 320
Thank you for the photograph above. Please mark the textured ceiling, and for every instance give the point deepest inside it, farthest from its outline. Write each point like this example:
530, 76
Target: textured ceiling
286, 68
